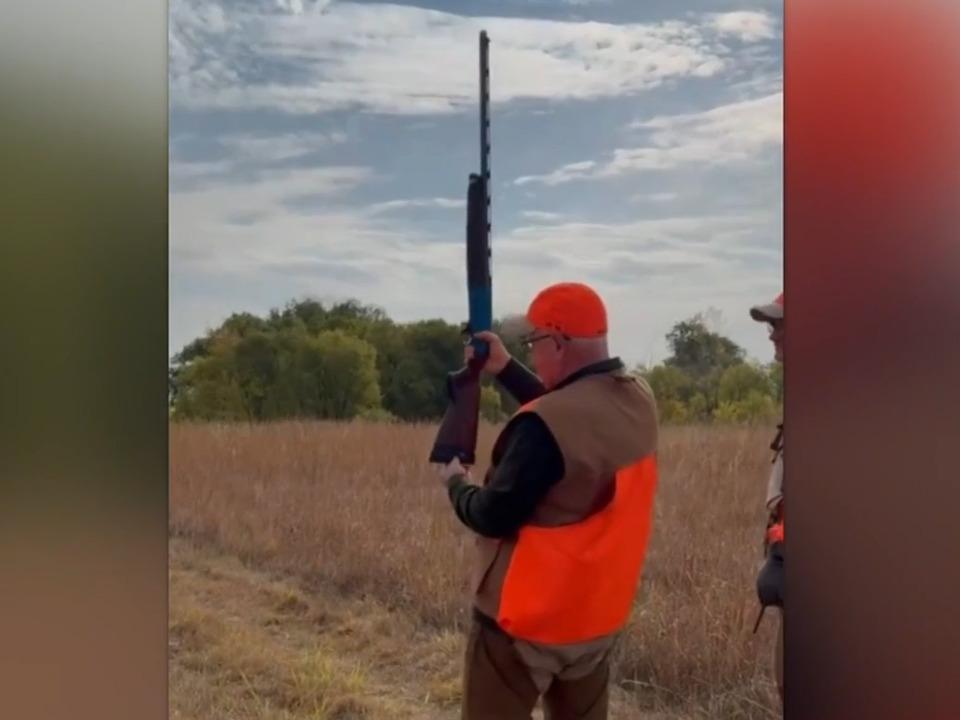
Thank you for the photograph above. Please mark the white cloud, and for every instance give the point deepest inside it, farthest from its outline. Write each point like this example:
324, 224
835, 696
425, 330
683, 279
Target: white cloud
272, 148
191, 169
703, 251
269, 186
759, 85
739, 128
657, 197
575, 3
292, 6
745, 25
691, 236
407, 60
246, 237
246, 153
728, 134
437, 202
541, 215
232, 224
566, 173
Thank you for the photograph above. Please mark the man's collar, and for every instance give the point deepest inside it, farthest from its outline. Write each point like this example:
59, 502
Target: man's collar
604, 366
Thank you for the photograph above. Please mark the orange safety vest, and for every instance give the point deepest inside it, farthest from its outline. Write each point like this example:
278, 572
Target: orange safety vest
576, 582
775, 530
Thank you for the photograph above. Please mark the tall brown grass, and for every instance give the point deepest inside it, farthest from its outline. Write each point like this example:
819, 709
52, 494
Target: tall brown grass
355, 505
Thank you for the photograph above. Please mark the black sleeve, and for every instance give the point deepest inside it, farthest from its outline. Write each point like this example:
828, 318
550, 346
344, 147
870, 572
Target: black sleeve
520, 382
530, 466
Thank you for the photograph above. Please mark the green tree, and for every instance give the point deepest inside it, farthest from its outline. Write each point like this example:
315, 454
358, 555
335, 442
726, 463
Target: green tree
243, 324
738, 381
378, 415
754, 407
351, 360
669, 383
428, 350
256, 373
311, 315
746, 394
775, 373
673, 411
490, 407
255, 367
336, 375
698, 407
698, 351
703, 356
208, 386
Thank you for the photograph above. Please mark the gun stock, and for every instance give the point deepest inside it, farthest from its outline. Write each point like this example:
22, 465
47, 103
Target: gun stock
457, 435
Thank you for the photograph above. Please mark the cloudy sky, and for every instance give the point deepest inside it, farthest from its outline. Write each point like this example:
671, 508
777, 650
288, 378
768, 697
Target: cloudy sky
322, 149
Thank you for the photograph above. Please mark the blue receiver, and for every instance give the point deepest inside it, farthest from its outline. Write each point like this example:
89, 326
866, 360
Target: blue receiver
481, 317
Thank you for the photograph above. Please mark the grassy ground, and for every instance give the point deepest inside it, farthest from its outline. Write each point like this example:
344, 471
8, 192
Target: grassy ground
349, 522
249, 645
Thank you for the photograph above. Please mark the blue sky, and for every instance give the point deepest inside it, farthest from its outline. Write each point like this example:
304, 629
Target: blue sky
322, 149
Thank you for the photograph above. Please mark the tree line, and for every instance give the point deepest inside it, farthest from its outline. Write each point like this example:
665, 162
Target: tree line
349, 360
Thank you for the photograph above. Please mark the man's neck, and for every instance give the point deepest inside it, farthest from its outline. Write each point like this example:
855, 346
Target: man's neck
601, 365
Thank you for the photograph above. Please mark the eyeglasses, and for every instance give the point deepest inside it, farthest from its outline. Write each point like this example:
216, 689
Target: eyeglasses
529, 341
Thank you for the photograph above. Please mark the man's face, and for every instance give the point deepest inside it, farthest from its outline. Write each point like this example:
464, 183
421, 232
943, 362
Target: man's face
776, 337
546, 354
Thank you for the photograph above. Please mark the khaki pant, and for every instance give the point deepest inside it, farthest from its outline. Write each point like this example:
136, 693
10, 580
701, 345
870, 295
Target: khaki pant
497, 685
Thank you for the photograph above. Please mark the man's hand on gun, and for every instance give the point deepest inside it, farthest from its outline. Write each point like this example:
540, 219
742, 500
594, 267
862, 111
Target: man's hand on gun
451, 470
497, 357
497, 360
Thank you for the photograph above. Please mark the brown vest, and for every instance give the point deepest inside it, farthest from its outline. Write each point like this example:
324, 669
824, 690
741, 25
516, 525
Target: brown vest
604, 425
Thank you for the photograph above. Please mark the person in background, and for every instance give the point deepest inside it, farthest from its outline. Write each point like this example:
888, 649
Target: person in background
770, 577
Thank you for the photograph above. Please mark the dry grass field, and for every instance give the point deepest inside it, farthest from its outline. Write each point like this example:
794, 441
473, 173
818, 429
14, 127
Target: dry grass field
318, 571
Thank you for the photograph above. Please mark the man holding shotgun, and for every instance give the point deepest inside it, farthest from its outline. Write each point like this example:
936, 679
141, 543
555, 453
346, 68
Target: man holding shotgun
563, 515
562, 518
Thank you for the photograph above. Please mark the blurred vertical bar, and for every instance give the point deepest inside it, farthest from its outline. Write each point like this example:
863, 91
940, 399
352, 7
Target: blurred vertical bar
83, 152
872, 265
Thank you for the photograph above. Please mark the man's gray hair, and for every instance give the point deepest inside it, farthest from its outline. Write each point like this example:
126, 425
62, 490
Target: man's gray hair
597, 343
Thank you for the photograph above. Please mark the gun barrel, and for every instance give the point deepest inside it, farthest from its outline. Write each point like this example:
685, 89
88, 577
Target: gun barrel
485, 107
479, 284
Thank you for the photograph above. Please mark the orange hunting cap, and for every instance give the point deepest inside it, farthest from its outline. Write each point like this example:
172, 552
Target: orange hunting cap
572, 309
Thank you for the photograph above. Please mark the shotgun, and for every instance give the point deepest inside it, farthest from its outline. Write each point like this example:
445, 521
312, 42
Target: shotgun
457, 435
